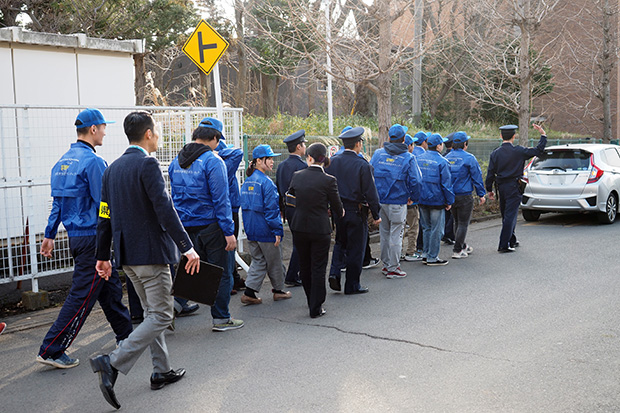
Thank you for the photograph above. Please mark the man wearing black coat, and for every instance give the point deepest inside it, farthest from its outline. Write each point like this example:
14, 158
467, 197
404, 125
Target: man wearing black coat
296, 144
137, 213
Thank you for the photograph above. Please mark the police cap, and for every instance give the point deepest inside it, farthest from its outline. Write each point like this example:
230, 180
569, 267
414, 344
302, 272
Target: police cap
509, 127
296, 138
352, 135
449, 137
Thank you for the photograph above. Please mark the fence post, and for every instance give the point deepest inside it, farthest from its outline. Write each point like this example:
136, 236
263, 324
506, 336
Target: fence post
29, 200
188, 127
3, 153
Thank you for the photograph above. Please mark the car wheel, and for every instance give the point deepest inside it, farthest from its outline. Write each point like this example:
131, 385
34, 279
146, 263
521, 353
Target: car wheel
530, 215
611, 210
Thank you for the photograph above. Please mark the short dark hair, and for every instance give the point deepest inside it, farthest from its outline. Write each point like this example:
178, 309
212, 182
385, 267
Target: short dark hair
401, 140
433, 148
349, 143
449, 144
292, 147
136, 124
458, 145
84, 131
508, 134
206, 134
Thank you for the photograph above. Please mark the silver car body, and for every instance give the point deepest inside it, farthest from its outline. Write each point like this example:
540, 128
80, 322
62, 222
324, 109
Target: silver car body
562, 185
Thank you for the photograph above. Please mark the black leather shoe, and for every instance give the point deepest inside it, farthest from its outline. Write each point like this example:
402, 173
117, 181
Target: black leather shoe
320, 314
515, 244
334, 284
159, 380
188, 309
107, 378
295, 283
509, 249
361, 290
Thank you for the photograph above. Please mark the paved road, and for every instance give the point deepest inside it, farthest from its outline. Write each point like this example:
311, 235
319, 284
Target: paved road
532, 331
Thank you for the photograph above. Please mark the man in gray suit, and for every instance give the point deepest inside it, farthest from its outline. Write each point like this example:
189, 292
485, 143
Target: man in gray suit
137, 213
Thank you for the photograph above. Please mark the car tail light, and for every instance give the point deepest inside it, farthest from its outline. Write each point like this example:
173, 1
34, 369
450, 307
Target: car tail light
595, 172
525, 177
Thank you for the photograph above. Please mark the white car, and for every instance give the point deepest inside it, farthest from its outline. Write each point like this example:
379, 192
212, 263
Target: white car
573, 178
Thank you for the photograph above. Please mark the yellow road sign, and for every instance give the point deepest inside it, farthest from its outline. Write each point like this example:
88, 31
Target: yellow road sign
205, 46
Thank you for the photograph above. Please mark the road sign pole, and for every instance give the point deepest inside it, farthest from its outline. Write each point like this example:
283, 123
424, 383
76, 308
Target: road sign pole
218, 92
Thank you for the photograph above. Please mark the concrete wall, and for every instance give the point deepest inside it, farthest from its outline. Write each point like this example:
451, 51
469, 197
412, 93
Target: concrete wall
52, 69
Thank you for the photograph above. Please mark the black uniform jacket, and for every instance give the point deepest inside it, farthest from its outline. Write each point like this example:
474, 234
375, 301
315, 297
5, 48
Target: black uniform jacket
314, 192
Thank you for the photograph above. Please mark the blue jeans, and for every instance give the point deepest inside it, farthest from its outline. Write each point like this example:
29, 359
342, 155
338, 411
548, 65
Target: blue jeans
210, 244
433, 224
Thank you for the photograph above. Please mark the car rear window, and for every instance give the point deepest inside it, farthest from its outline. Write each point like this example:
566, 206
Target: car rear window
564, 159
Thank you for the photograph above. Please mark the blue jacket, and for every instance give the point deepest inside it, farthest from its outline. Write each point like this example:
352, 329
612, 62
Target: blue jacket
259, 206
76, 188
436, 188
466, 173
418, 150
397, 175
232, 158
199, 184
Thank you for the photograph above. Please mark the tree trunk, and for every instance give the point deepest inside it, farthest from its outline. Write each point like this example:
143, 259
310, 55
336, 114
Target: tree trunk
269, 95
140, 81
242, 67
440, 97
384, 80
525, 75
608, 65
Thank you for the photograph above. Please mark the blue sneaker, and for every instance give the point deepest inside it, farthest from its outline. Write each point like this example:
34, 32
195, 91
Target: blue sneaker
62, 362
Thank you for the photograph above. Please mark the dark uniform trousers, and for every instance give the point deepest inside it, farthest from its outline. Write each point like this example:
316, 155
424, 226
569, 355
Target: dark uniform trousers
86, 288
352, 231
313, 250
509, 200
293, 271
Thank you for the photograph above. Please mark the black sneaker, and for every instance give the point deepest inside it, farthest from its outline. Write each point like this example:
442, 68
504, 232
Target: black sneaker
438, 262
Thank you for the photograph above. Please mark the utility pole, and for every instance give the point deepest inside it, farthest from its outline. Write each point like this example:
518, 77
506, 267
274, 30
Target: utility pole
328, 35
416, 84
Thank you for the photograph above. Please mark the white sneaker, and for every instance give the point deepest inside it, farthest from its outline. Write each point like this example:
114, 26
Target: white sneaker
384, 271
373, 263
397, 273
461, 254
412, 258
468, 249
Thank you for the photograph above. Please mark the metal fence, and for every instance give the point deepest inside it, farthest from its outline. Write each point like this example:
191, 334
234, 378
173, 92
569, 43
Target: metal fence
33, 138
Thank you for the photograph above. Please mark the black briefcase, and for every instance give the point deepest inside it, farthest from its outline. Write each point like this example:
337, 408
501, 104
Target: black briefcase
201, 287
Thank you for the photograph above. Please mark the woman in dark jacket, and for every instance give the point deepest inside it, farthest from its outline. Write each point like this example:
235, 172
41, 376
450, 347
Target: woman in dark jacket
312, 191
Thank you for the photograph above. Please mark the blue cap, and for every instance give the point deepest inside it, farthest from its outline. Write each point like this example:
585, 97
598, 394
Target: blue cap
353, 133
262, 151
435, 139
420, 137
460, 137
212, 123
449, 137
346, 128
397, 132
509, 127
296, 138
90, 117
408, 140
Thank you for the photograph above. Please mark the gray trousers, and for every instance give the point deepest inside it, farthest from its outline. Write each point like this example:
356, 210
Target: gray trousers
266, 260
391, 230
153, 284
413, 220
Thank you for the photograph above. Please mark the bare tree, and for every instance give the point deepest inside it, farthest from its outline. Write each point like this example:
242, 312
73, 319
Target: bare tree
502, 68
591, 54
367, 43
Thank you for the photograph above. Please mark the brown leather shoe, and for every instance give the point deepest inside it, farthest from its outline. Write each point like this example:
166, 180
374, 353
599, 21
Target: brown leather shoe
247, 300
281, 295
